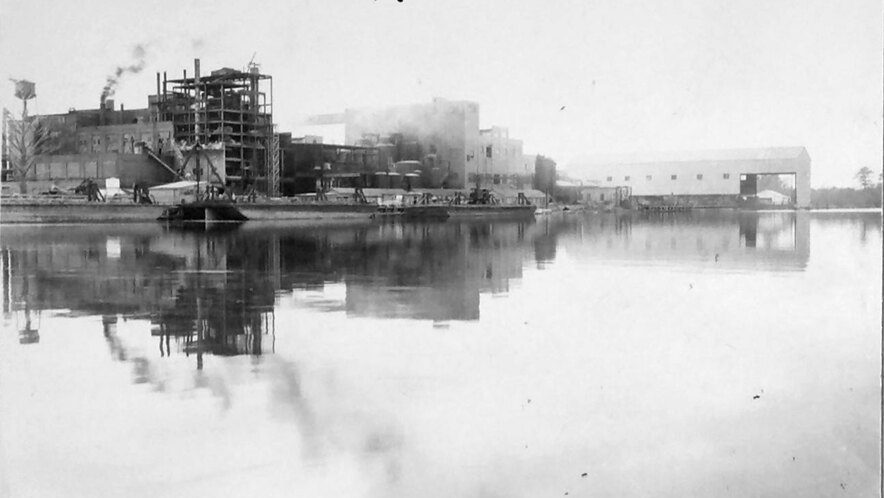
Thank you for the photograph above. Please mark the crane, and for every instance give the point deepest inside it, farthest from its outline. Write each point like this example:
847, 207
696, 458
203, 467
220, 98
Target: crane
253, 66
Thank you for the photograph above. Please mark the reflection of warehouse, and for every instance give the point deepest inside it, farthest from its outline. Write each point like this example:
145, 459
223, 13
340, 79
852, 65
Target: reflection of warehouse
703, 175
430, 272
715, 239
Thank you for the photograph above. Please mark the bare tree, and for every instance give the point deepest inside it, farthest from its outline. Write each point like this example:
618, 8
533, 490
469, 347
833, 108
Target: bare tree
27, 139
864, 177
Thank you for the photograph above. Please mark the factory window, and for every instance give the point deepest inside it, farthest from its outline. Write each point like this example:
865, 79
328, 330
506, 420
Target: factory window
74, 171
109, 168
42, 170
726, 176
601, 197
649, 178
699, 176
57, 170
626, 178
610, 178
674, 177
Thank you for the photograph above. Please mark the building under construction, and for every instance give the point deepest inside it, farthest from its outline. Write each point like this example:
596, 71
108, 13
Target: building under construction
231, 109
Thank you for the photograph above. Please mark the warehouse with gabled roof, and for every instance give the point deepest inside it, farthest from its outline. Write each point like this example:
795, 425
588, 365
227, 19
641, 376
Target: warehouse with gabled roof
701, 176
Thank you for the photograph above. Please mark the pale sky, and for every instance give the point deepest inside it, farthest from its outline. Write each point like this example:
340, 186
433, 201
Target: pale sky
632, 76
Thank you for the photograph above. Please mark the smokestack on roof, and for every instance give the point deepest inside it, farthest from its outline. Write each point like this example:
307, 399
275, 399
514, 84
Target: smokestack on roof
106, 107
113, 79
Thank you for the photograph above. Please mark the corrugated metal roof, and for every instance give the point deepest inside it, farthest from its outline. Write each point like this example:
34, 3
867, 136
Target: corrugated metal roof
756, 154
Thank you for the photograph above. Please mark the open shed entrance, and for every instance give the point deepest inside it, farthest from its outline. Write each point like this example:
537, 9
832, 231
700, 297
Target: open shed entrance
777, 189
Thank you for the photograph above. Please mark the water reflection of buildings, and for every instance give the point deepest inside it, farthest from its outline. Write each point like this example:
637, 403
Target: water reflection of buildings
27, 320
724, 239
187, 297
216, 292
434, 272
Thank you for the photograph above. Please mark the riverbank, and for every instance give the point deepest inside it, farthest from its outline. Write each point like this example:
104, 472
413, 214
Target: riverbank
76, 211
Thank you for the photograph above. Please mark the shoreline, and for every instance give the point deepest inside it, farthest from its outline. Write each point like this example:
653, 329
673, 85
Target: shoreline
45, 212
67, 212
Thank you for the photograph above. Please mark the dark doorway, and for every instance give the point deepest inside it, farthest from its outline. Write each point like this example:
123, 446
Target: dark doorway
748, 230
748, 185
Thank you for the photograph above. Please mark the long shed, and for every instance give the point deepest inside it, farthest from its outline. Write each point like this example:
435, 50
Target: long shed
729, 172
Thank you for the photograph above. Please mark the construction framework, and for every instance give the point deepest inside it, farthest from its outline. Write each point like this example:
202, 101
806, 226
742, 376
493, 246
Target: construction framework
230, 107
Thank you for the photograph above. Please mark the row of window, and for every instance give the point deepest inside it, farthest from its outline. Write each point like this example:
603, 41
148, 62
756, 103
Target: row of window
119, 142
627, 178
73, 170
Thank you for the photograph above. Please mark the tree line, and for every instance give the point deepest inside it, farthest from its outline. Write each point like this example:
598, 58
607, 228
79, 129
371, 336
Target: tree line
868, 195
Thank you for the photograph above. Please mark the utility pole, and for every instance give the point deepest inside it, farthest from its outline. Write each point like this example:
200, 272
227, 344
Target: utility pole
4, 151
197, 147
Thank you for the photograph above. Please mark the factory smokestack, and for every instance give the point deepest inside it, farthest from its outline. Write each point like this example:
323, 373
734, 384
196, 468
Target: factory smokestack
113, 80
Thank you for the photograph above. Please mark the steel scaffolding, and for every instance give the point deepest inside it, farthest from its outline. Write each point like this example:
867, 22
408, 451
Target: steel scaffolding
227, 106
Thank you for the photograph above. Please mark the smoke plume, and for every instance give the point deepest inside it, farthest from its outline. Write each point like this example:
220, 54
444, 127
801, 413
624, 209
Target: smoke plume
113, 80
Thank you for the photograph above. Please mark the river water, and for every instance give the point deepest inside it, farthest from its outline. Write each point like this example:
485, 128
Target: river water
689, 354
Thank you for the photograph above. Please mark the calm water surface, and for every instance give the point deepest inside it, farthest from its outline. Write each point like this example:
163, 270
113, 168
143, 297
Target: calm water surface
698, 354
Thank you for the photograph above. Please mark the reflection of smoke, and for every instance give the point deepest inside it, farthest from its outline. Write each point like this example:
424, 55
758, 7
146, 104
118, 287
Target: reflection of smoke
332, 427
287, 393
138, 53
143, 371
